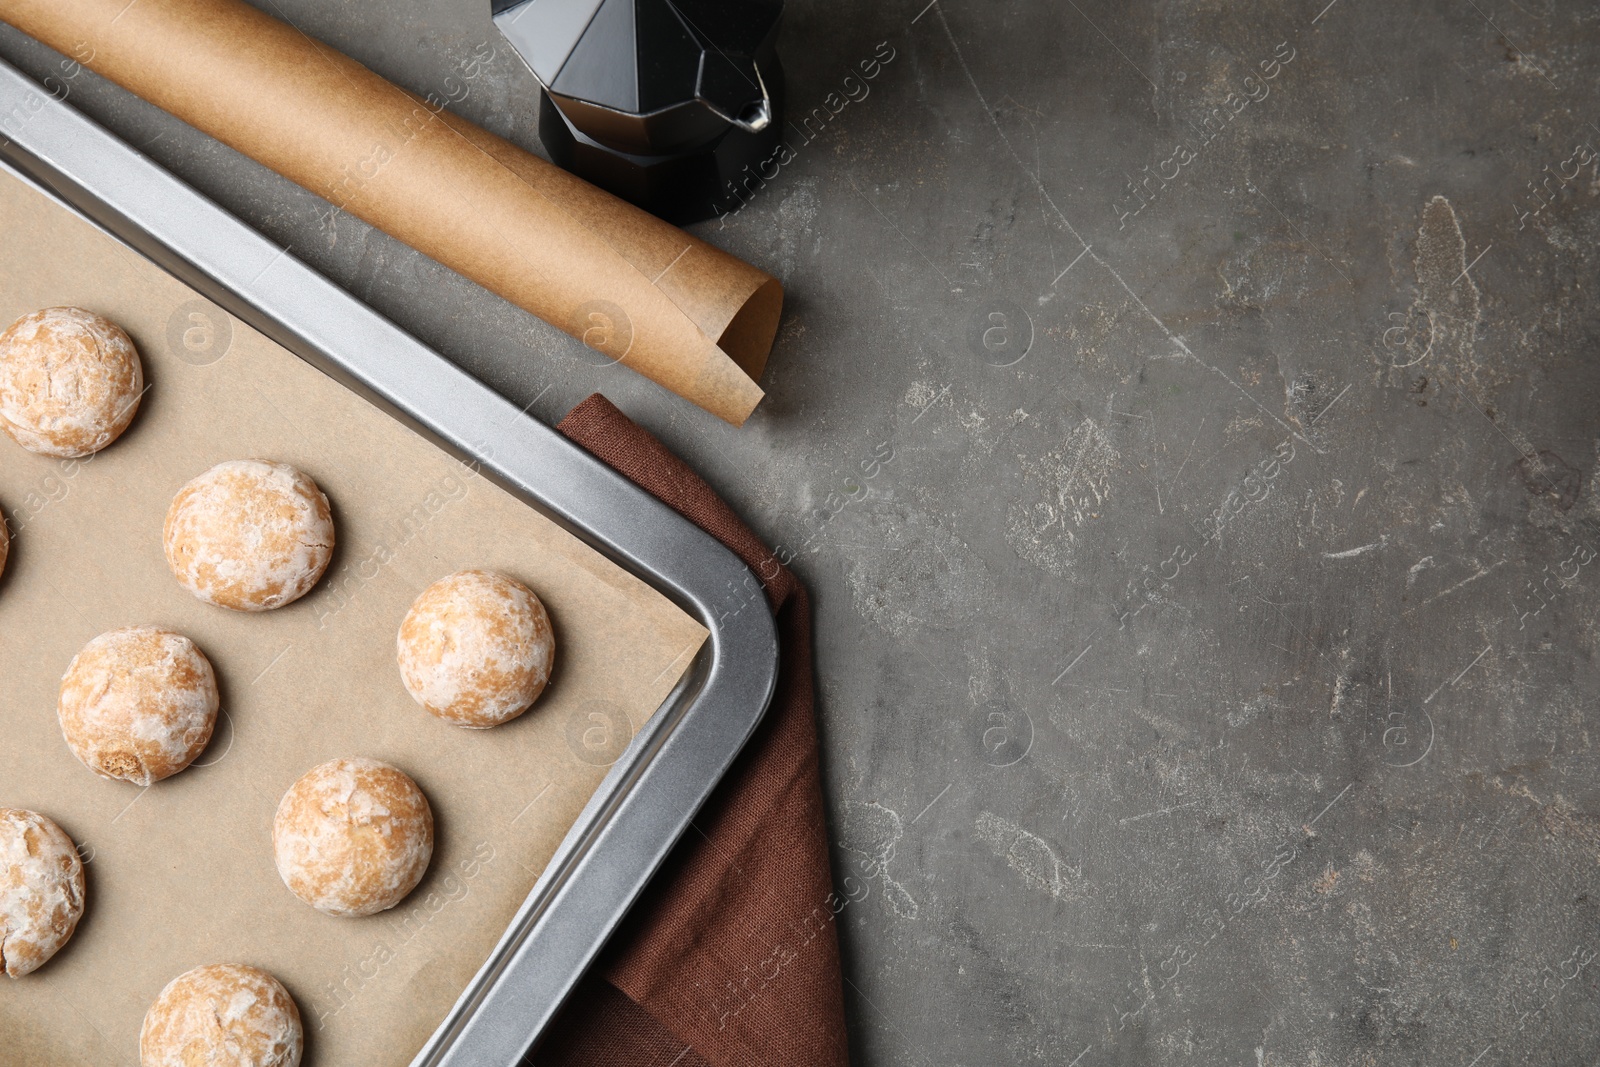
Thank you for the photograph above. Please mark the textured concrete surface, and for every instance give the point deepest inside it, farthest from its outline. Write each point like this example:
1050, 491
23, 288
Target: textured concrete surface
1185, 416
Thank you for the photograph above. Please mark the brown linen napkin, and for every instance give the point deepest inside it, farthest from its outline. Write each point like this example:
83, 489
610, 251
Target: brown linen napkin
731, 957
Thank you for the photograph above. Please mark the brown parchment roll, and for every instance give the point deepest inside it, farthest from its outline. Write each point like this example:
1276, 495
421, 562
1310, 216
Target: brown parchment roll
684, 314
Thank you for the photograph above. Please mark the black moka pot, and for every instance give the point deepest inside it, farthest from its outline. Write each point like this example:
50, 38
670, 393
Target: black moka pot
662, 102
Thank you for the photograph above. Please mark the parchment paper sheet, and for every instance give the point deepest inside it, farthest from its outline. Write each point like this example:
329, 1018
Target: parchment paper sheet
182, 874
683, 313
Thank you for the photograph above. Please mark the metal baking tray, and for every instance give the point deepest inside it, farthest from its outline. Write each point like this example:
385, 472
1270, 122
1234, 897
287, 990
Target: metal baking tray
655, 788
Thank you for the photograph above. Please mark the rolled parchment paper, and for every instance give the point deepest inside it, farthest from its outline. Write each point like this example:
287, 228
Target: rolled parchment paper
684, 314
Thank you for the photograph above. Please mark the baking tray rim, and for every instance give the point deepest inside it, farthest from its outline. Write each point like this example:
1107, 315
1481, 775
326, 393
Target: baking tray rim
655, 788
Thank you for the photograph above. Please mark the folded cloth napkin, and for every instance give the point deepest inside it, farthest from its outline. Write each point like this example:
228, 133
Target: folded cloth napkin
731, 957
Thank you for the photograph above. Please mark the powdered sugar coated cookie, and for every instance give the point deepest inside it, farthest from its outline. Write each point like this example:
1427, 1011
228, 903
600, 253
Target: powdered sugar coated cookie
249, 535
70, 381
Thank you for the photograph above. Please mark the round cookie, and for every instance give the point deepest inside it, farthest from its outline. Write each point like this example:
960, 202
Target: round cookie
138, 704
41, 890
224, 1015
249, 535
476, 648
353, 837
70, 381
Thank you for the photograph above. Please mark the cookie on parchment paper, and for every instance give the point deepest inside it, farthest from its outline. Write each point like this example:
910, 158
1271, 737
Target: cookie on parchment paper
222, 1015
250, 535
70, 381
41, 890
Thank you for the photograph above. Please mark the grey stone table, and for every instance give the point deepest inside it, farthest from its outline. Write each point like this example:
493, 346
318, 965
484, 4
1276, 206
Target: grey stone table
1185, 416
